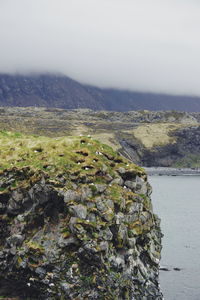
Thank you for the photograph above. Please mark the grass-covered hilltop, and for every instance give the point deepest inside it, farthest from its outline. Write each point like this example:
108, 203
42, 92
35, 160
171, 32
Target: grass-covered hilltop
150, 139
76, 222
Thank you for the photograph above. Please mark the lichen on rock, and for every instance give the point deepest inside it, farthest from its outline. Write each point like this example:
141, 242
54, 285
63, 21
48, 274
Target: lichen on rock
77, 225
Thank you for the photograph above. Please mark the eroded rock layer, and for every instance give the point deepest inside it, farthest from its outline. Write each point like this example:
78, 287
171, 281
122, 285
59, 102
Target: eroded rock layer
82, 230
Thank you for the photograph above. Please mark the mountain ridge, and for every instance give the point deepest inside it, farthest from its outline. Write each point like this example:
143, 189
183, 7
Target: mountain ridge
59, 91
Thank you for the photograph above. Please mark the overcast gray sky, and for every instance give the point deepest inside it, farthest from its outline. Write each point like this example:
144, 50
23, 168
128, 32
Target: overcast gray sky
145, 45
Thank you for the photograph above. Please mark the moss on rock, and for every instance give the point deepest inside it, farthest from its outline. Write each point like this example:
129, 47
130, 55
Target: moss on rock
76, 222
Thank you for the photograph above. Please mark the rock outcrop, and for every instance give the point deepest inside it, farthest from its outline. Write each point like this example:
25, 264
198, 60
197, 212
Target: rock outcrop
76, 222
182, 153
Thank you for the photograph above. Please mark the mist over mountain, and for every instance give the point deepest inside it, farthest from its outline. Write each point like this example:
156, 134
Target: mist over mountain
148, 46
63, 92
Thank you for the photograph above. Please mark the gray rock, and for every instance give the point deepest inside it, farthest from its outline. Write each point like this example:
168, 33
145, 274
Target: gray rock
90, 204
109, 203
41, 272
13, 207
72, 222
13, 250
131, 218
17, 196
66, 242
141, 186
131, 242
117, 262
100, 204
130, 184
106, 234
104, 168
15, 240
79, 211
121, 170
86, 193
23, 264
39, 194
145, 216
118, 181
104, 246
119, 218
71, 195
108, 215
122, 233
100, 188
91, 217
66, 287
135, 208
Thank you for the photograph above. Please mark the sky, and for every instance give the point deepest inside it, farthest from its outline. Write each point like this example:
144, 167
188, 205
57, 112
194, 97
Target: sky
138, 45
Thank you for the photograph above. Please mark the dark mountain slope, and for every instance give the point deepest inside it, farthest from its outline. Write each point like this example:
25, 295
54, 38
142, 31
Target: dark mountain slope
45, 90
63, 92
122, 100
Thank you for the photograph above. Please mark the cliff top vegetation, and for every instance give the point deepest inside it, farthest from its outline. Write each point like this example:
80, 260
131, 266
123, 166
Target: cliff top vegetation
78, 156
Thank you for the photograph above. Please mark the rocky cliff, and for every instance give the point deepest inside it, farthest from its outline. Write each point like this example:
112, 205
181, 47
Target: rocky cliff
176, 147
76, 222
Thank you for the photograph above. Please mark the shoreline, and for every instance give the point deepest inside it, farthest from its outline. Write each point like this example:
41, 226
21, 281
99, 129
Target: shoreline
160, 171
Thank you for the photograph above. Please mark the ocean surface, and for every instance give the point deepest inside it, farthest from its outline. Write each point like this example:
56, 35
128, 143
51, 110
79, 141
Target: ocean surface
177, 202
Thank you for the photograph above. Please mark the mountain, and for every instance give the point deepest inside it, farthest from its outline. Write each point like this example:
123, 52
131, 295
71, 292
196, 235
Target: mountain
123, 100
45, 90
63, 92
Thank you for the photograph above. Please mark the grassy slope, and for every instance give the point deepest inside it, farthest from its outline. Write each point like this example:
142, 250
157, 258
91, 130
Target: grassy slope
75, 155
103, 126
151, 135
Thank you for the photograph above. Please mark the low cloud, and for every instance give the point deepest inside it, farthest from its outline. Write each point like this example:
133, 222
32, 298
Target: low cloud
139, 45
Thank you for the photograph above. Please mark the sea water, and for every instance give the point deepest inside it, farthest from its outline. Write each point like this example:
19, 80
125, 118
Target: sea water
177, 202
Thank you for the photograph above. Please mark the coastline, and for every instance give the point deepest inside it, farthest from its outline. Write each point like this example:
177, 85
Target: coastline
159, 171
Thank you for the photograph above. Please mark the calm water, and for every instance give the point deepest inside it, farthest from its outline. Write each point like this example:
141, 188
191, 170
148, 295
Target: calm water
177, 202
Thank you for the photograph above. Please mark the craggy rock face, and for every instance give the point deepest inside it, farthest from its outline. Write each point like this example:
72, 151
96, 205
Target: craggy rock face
86, 233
